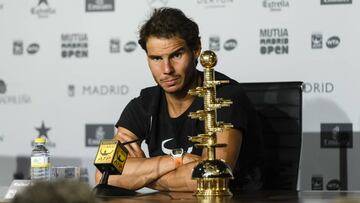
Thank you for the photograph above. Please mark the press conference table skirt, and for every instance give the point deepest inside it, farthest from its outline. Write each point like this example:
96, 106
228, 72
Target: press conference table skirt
243, 197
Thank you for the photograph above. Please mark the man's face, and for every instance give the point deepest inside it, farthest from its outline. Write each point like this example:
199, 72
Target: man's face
171, 63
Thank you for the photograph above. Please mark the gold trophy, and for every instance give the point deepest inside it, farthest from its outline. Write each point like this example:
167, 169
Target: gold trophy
212, 175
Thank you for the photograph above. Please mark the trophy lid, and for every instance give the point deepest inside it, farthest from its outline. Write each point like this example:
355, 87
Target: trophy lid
208, 59
212, 169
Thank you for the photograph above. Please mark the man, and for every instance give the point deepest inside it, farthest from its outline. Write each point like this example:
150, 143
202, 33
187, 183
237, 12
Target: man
159, 116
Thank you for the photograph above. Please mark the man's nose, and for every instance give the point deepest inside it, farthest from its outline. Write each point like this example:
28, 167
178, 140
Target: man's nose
168, 68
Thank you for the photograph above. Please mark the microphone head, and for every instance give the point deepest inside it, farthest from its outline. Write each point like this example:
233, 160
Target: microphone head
111, 157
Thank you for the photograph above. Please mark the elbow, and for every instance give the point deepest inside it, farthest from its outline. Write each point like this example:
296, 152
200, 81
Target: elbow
122, 182
134, 186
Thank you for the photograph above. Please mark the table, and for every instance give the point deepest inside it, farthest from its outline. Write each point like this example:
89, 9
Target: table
243, 197
3, 190
254, 197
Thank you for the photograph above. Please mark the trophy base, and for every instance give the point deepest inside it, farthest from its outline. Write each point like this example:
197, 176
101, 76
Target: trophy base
210, 187
212, 178
108, 191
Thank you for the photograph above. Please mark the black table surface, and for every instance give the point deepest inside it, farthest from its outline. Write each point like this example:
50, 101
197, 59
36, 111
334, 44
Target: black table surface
260, 196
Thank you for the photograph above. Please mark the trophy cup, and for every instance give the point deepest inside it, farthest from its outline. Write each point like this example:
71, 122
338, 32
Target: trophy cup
212, 175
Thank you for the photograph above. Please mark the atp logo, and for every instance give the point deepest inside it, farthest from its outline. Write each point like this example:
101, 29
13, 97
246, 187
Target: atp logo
105, 153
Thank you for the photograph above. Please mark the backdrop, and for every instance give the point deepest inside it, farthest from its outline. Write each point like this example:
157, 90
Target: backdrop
69, 67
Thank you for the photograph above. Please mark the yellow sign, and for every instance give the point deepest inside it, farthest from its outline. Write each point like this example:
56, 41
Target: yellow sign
106, 152
119, 159
111, 157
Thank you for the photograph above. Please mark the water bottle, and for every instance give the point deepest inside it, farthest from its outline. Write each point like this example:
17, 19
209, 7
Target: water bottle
40, 161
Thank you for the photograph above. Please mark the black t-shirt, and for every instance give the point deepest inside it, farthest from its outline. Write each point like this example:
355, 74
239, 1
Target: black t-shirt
175, 132
148, 118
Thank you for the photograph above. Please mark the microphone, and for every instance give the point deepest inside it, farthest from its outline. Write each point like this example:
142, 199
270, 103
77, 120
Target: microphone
110, 160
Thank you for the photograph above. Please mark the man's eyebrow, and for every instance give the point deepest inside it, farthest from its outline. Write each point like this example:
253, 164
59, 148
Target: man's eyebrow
154, 56
181, 49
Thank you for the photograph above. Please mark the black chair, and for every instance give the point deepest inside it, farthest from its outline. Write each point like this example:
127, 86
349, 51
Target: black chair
279, 107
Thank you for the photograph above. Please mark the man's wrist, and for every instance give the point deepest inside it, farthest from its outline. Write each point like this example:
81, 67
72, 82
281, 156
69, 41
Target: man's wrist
177, 155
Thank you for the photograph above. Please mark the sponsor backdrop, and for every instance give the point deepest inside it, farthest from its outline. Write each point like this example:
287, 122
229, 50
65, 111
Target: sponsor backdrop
68, 68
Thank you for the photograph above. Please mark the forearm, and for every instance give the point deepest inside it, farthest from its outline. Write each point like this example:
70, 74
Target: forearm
177, 180
139, 172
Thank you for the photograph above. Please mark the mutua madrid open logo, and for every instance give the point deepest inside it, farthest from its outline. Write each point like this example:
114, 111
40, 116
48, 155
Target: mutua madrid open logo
74, 45
274, 41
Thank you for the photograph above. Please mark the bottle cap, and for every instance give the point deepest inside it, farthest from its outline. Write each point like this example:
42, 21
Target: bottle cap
40, 140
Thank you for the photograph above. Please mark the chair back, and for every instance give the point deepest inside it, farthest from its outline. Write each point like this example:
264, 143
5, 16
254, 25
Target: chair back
279, 107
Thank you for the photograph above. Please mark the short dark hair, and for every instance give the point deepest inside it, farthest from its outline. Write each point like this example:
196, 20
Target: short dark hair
170, 22
56, 192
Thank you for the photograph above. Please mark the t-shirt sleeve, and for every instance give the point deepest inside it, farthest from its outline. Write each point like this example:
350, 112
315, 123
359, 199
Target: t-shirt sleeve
133, 118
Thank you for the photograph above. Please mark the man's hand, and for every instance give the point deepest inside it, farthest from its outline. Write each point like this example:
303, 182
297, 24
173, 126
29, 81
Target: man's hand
124, 135
180, 179
188, 158
138, 170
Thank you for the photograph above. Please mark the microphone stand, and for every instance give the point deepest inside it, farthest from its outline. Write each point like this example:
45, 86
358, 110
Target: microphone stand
104, 190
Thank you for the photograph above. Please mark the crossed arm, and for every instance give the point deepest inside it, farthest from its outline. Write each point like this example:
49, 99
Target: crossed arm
160, 172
